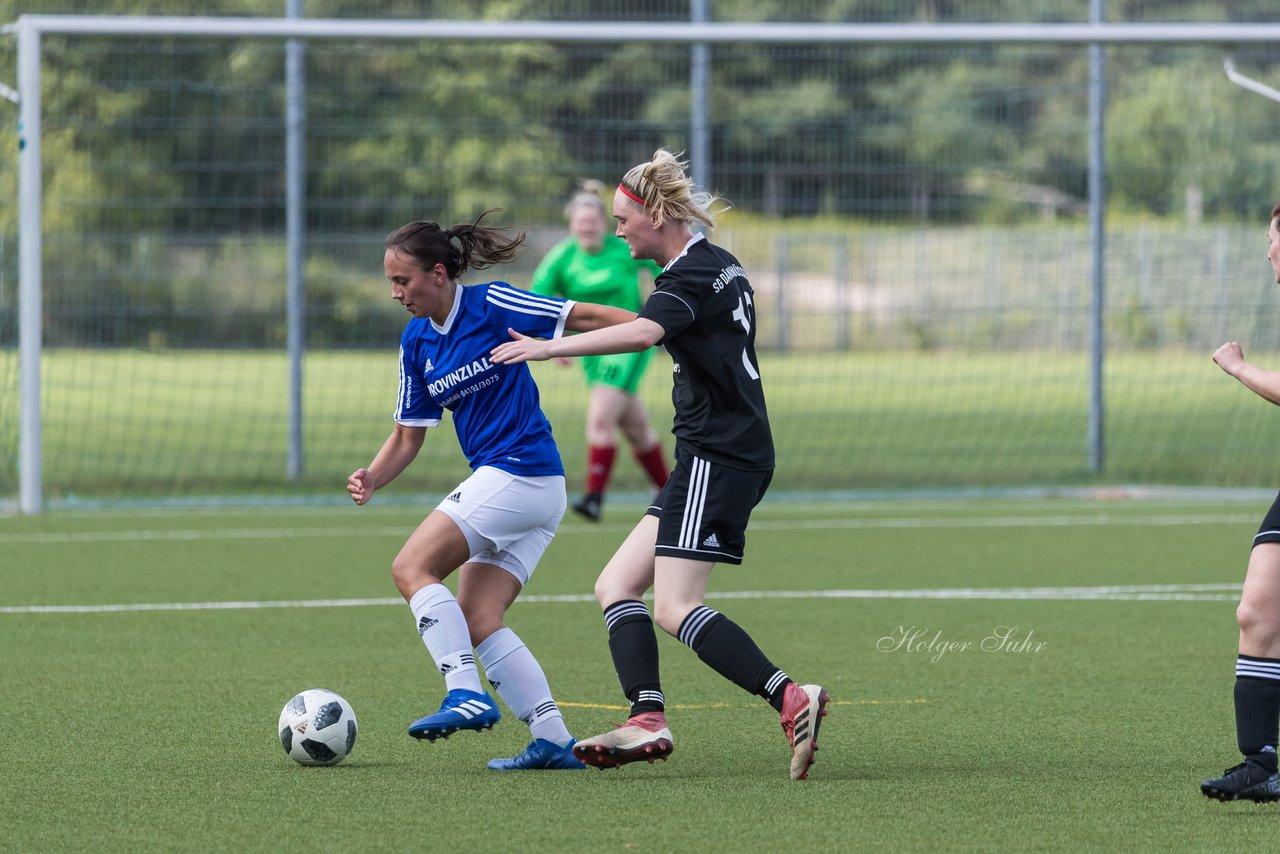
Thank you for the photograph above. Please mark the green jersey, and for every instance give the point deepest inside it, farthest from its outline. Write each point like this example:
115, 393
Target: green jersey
609, 277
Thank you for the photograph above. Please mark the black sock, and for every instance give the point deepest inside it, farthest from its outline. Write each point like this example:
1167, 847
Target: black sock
728, 650
634, 648
1257, 698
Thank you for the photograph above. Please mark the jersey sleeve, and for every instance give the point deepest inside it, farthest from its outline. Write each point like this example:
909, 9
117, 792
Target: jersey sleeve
414, 407
527, 313
673, 305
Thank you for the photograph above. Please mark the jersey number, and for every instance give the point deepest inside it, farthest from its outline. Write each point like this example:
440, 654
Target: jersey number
743, 314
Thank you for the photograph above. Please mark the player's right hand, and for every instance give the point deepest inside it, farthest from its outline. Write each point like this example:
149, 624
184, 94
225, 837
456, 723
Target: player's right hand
521, 348
1230, 357
360, 486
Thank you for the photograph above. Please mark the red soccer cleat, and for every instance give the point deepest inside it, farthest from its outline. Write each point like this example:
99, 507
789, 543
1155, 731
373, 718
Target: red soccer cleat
803, 708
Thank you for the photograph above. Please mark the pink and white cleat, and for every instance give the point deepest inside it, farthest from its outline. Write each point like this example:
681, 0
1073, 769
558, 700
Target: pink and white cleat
643, 737
803, 708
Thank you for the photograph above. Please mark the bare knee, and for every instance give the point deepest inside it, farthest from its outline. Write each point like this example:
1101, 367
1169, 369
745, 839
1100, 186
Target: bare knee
608, 592
668, 621
640, 437
410, 577
600, 433
1259, 622
602, 424
611, 590
670, 615
604, 594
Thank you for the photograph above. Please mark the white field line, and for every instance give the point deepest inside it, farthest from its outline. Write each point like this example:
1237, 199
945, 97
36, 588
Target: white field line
1122, 593
1100, 519
1202, 592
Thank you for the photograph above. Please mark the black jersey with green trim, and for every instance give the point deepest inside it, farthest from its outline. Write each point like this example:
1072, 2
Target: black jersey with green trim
706, 307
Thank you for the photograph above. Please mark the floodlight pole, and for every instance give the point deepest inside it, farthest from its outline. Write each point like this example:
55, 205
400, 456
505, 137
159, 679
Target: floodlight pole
1249, 83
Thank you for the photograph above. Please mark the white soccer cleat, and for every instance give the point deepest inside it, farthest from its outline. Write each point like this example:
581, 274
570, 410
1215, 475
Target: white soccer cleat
643, 737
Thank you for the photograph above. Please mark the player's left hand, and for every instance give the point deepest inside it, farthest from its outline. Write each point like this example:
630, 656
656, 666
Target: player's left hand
522, 349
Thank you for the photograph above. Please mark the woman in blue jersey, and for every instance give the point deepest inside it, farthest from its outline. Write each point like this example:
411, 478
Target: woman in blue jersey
495, 525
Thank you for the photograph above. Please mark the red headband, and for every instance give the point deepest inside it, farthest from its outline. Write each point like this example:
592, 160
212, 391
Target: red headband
630, 195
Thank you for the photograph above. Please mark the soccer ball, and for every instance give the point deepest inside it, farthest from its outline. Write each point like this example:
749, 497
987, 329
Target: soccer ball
317, 727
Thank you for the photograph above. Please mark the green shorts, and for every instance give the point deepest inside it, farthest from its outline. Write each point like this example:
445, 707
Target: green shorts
620, 370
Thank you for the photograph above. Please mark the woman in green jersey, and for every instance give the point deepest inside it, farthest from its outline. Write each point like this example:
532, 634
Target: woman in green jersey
592, 265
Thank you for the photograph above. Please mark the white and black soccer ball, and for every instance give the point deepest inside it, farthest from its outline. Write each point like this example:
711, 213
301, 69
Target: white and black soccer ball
317, 727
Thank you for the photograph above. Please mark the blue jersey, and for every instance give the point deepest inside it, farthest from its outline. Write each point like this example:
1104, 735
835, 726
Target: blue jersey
496, 409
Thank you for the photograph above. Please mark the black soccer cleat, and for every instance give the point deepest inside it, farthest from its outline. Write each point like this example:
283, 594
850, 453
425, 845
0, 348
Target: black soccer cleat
589, 506
1248, 781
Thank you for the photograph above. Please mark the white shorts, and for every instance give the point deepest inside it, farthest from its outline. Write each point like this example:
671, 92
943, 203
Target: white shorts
508, 519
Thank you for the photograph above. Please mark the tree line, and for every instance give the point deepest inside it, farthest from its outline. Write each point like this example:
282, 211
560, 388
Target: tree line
177, 135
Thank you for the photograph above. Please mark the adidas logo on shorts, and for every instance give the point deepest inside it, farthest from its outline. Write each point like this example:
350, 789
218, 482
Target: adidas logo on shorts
711, 542
456, 497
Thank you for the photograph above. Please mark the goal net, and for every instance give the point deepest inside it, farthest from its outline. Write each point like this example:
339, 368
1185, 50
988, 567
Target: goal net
912, 217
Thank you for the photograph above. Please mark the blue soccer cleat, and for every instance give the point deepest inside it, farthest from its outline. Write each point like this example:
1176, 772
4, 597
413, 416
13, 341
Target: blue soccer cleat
461, 709
540, 755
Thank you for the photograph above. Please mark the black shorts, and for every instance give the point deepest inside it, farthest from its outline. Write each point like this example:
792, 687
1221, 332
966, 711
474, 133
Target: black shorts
1269, 531
703, 510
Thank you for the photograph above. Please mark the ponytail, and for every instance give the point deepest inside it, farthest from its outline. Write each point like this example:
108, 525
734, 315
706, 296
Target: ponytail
462, 247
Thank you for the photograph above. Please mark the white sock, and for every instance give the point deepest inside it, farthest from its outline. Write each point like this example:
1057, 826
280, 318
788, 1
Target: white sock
515, 674
444, 631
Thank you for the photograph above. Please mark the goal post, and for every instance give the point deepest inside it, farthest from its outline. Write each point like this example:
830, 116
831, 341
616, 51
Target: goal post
30, 283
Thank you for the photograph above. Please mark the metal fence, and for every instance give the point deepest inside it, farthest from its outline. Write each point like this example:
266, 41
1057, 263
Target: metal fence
892, 193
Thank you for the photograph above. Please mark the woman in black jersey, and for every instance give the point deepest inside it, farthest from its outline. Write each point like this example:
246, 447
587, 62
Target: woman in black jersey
1257, 687
702, 311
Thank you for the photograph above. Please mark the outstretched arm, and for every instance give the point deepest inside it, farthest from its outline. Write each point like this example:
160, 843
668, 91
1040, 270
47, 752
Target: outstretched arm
1265, 384
604, 329
590, 316
639, 334
397, 452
